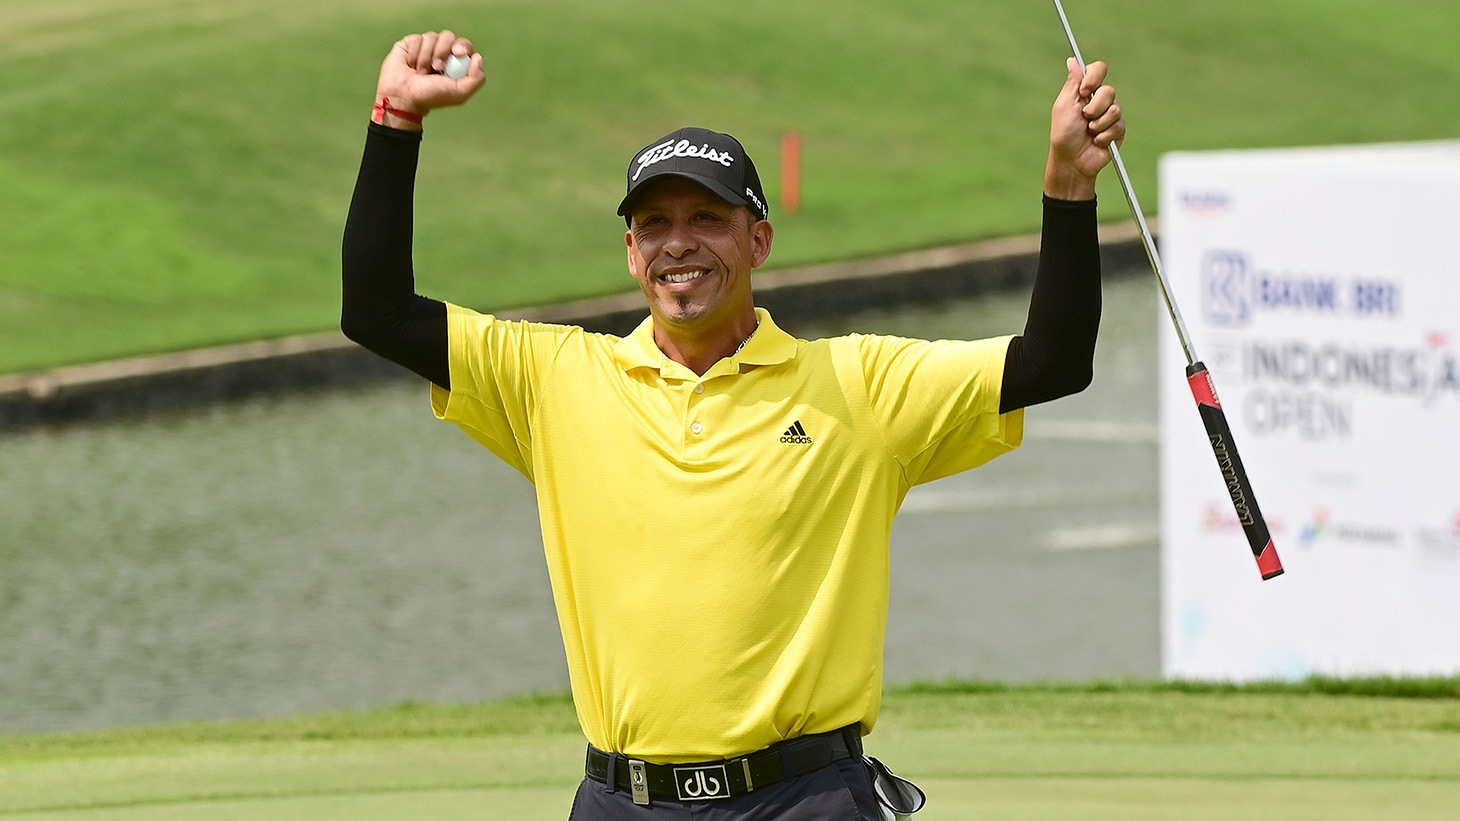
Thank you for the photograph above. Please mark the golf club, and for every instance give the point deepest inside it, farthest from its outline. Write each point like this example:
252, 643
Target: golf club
1219, 433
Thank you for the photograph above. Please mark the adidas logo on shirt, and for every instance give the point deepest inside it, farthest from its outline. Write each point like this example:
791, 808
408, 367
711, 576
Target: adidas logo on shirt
795, 435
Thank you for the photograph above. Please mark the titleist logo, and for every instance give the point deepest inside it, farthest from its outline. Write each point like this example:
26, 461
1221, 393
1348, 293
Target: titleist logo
683, 148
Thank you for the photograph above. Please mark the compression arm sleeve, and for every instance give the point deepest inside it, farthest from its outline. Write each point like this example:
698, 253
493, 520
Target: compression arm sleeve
1055, 355
379, 306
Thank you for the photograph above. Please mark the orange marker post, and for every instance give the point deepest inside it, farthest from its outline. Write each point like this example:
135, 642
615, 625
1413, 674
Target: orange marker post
791, 171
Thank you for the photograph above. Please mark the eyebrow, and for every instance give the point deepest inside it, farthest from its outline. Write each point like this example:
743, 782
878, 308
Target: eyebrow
711, 203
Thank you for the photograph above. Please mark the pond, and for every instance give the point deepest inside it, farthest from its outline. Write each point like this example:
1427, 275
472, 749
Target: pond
344, 550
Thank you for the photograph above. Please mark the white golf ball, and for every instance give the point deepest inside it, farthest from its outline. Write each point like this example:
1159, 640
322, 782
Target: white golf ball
457, 67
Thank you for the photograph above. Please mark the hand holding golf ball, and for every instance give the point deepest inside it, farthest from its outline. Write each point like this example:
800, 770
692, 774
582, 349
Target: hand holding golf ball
425, 72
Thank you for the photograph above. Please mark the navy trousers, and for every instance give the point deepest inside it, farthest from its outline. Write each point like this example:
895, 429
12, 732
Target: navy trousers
840, 791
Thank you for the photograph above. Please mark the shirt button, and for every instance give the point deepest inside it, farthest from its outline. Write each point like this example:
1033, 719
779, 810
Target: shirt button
696, 427
699, 388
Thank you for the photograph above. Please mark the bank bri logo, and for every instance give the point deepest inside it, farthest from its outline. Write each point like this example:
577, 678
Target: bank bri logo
1226, 288
1233, 290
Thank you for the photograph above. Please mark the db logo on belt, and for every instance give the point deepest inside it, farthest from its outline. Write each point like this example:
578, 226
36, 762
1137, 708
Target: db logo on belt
701, 783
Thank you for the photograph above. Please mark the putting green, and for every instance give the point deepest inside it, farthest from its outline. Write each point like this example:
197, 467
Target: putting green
1138, 752
1190, 799
298, 778
443, 805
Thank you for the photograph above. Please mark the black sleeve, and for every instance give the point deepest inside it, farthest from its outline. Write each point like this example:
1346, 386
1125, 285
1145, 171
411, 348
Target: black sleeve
379, 306
1055, 355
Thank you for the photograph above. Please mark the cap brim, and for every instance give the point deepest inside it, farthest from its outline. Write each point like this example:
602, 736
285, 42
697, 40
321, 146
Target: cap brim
717, 188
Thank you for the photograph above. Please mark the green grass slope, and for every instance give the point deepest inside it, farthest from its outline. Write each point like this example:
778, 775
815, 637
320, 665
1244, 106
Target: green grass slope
176, 172
1029, 752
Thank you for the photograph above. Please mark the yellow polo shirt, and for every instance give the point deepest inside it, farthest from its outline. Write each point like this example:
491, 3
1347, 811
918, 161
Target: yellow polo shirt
718, 544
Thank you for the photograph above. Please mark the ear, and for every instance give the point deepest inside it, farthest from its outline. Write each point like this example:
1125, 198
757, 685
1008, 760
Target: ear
761, 236
633, 254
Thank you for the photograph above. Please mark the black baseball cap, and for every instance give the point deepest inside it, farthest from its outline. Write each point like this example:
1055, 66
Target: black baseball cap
716, 161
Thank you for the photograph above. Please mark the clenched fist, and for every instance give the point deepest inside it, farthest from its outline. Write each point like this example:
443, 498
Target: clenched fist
412, 83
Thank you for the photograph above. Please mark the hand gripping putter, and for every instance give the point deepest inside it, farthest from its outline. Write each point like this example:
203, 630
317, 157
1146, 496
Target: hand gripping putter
1197, 377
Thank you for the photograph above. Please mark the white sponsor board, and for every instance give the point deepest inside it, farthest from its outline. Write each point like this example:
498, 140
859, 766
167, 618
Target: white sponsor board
1321, 288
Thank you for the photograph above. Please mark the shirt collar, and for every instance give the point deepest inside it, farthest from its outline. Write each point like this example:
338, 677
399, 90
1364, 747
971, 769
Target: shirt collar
769, 345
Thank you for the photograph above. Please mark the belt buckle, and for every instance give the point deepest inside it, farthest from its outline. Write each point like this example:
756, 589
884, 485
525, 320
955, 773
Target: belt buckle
639, 782
702, 783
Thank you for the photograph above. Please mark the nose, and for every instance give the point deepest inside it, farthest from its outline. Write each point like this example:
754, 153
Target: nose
681, 240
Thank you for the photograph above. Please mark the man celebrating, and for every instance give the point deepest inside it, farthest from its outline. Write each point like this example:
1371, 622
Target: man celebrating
717, 495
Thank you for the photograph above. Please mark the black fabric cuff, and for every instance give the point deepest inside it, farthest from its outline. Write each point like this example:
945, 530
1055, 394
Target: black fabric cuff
377, 129
1070, 205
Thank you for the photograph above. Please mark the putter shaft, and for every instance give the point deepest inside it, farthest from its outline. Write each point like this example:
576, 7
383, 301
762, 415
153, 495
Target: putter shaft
1135, 208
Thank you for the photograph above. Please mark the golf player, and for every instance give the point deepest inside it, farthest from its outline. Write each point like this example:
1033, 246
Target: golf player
716, 495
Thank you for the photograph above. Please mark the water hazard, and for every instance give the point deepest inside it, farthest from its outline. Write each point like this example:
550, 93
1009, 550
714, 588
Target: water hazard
345, 550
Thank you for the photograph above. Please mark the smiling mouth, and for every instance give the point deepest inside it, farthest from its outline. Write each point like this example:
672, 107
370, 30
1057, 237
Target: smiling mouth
683, 277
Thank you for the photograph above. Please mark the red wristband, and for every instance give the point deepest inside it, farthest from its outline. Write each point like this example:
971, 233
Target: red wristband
384, 107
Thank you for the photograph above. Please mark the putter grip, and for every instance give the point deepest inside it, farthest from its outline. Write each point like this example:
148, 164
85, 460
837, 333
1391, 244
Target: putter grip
1219, 433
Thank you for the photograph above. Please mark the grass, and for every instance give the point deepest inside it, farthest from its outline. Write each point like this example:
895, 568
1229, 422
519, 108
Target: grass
176, 172
1322, 749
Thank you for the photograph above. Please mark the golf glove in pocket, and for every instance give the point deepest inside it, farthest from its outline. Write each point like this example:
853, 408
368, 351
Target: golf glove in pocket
897, 798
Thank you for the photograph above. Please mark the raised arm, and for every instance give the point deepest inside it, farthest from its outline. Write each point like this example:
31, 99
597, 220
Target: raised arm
379, 307
1054, 357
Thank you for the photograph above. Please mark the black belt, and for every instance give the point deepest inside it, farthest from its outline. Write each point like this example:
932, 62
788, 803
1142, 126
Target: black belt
711, 780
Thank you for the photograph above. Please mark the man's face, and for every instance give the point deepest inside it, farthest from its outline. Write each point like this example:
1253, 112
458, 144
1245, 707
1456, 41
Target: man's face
692, 253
